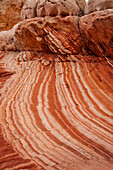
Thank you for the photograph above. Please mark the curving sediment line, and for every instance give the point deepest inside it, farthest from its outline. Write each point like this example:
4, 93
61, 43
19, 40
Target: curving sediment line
58, 116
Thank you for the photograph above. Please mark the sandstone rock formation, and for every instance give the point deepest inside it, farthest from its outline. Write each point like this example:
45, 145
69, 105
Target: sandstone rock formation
53, 34
10, 13
29, 9
7, 39
97, 32
56, 101
42, 8
98, 5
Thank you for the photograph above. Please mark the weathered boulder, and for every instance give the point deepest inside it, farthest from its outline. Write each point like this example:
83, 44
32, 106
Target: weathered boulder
97, 5
7, 39
29, 9
42, 8
61, 8
53, 34
89, 34
97, 32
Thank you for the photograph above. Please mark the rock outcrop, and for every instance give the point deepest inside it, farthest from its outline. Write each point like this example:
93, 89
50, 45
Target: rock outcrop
7, 39
97, 32
98, 5
56, 85
29, 9
63, 8
10, 13
53, 35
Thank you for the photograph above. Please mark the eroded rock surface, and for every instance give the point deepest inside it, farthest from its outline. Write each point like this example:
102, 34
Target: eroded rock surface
63, 8
53, 35
97, 32
56, 85
7, 39
98, 5
29, 9
10, 13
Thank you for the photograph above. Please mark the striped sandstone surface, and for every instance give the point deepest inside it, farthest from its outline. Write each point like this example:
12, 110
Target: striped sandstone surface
56, 93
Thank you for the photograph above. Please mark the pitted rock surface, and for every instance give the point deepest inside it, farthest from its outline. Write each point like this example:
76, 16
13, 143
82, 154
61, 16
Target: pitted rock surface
29, 9
10, 13
63, 8
7, 39
98, 5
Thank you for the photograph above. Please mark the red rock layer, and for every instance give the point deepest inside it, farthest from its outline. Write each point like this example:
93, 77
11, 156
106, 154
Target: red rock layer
49, 35
10, 159
97, 32
58, 116
56, 96
89, 34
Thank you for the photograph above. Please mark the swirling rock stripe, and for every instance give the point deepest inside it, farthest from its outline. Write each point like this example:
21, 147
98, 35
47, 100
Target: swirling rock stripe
9, 158
59, 116
52, 35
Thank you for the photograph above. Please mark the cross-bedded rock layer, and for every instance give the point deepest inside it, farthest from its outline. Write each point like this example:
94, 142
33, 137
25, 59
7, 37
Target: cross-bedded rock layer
59, 115
56, 83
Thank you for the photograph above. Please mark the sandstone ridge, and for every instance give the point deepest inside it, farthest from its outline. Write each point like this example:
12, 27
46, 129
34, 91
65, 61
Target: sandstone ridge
53, 34
56, 89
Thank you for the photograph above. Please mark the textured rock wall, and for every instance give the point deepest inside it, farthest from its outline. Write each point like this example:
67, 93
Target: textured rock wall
56, 93
42, 8
96, 5
10, 13
57, 115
